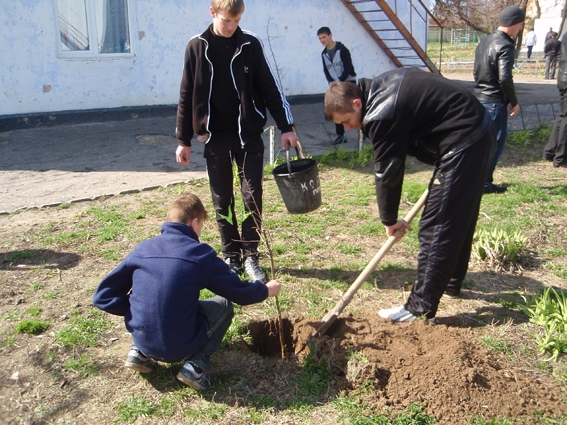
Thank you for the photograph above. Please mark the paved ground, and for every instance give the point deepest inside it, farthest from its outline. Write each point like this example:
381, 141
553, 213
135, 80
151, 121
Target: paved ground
50, 165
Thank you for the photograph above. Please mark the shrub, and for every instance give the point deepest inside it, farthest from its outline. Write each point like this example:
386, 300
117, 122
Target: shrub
499, 248
549, 311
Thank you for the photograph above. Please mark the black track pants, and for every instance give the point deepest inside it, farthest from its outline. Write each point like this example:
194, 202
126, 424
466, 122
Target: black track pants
556, 148
447, 225
250, 166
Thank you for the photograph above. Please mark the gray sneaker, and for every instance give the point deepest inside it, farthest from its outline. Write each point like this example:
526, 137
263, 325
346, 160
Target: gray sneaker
190, 374
397, 314
138, 361
254, 270
400, 314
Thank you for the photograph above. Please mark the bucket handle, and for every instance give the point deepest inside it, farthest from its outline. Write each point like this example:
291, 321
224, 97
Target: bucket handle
287, 156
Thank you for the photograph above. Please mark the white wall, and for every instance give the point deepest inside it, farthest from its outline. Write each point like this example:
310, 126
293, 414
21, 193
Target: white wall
550, 18
33, 79
541, 28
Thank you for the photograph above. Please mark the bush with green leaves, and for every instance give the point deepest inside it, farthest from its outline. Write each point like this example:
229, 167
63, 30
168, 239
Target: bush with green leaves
522, 138
549, 311
544, 130
499, 248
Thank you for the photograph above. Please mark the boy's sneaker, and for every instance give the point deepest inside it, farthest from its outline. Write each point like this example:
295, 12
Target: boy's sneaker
254, 270
193, 376
340, 140
233, 265
397, 314
138, 361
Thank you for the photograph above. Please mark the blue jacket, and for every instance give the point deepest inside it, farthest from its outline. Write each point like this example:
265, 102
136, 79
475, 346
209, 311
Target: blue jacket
156, 288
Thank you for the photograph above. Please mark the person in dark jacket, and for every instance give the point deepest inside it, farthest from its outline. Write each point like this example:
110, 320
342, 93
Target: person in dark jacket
494, 85
551, 50
337, 66
412, 112
226, 88
548, 35
156, 288
556, 149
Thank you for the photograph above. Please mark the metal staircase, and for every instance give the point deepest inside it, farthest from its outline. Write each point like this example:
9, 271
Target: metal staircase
391, 24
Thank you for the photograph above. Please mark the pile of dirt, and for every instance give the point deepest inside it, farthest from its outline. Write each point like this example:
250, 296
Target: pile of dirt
453, 376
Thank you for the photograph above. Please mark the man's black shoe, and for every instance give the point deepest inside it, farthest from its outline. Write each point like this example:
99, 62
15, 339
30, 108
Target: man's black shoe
548, 158
340, 140
564, 165
234, 265
495, 189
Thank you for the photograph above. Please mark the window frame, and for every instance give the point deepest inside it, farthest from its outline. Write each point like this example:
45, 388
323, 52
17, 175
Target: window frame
93, 53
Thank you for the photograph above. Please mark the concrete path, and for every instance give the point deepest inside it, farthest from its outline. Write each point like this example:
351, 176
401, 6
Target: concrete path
47, 166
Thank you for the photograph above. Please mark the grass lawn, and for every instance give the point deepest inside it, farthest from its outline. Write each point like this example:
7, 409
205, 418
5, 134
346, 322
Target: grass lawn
494, 356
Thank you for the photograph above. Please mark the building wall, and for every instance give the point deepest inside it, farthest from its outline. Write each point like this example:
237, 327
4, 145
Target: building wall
34, 78
550, 18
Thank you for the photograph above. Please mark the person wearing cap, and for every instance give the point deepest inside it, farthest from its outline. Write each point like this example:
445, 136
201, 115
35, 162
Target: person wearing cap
551, 50
494, 85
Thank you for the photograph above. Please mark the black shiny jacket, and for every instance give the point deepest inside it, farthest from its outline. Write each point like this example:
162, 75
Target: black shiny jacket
493, 64
408, 111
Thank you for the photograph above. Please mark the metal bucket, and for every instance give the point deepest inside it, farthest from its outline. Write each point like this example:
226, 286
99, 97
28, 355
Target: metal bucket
299, 185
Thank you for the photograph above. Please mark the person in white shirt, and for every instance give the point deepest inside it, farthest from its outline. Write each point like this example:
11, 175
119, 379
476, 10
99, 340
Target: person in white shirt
531, 40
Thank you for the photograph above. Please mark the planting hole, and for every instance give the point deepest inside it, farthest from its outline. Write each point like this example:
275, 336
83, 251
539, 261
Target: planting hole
266, 337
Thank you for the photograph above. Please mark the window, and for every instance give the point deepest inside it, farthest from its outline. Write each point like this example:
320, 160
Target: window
93, 28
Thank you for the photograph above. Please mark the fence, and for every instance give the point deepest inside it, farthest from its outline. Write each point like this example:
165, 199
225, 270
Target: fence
455, 37
532, 116
523, 65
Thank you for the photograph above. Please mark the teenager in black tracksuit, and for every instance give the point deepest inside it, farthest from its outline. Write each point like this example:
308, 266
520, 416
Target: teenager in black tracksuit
337, 66
412, 112
226, 87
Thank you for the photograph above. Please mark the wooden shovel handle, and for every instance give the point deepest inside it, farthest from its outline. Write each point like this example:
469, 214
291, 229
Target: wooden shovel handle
347, 296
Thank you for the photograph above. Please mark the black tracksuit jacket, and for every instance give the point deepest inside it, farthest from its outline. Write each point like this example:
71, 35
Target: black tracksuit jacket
255, 83
411, 112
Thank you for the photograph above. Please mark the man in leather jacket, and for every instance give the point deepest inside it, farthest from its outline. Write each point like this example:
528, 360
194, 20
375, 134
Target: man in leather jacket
555, 150
494, 85
337, 66
412, 112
